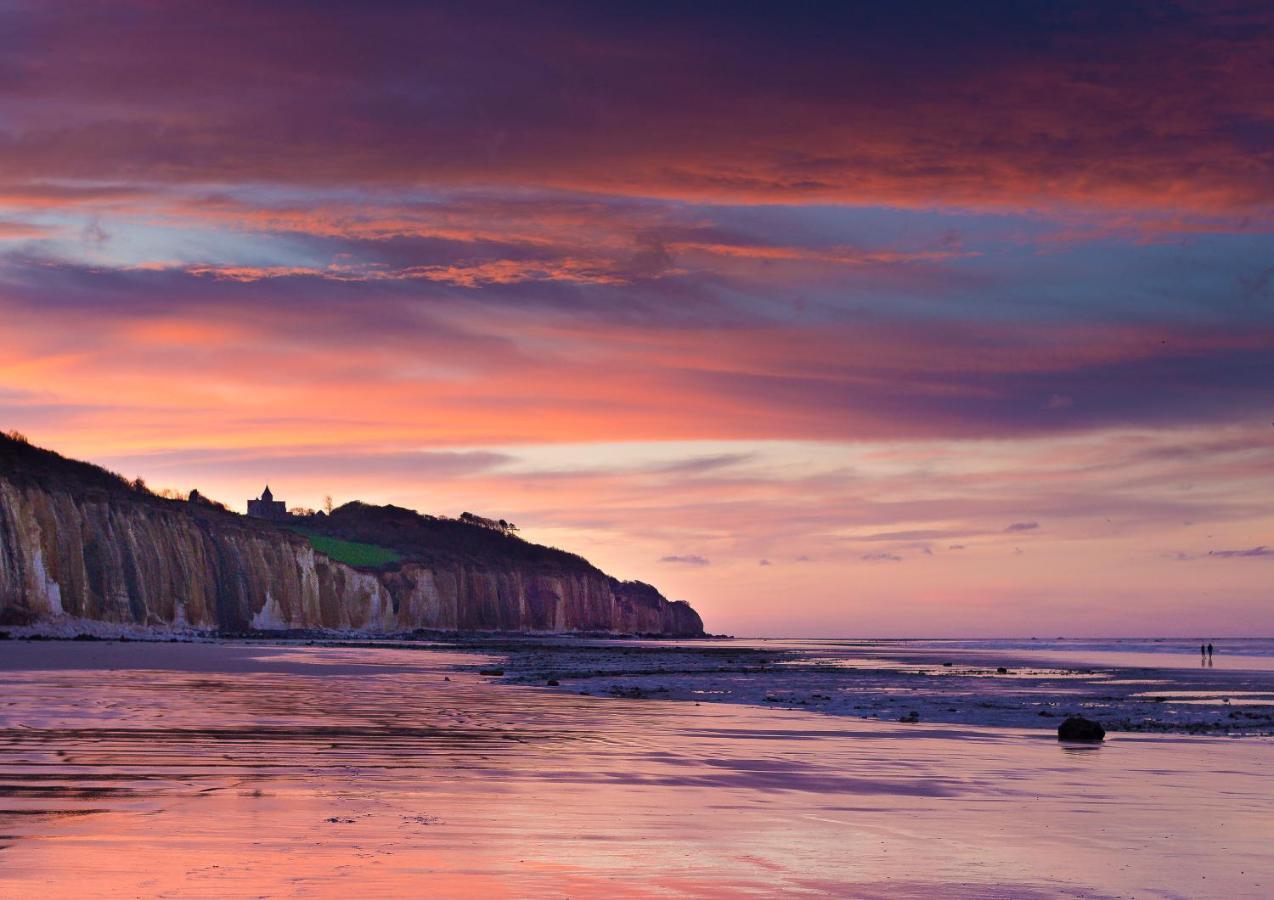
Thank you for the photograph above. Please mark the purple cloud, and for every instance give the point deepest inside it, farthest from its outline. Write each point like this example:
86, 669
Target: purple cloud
881, 557
686, 560
1249, 553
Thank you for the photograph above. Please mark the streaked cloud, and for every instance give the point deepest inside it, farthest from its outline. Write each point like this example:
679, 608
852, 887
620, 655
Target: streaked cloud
758, 107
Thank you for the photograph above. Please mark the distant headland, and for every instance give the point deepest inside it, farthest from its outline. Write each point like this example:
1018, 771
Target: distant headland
80, 544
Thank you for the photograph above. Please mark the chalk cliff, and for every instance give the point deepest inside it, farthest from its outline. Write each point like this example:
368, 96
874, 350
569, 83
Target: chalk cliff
78, 542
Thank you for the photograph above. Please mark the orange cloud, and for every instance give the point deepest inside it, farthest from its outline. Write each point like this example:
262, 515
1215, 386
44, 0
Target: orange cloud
22, 231
173, 332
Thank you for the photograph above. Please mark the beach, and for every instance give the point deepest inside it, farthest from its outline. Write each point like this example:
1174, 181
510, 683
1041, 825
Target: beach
234, 769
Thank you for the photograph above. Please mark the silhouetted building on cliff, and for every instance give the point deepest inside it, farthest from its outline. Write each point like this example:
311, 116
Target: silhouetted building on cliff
267, 507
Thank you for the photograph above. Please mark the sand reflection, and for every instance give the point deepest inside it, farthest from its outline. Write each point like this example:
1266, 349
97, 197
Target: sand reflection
220, 771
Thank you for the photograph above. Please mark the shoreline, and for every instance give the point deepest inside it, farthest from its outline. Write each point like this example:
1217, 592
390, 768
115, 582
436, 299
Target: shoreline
869, 680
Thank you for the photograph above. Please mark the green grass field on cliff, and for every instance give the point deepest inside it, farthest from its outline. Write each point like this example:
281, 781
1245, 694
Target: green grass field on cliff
352, 553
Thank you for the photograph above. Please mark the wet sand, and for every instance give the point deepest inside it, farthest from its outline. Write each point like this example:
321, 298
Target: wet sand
215, 770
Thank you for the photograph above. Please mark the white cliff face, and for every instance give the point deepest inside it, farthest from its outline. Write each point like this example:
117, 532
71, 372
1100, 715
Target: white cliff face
49, 591
23, 566
271, 616
160, 565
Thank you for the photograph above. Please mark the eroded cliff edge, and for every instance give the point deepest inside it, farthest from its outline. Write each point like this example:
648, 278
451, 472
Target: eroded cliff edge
77, 542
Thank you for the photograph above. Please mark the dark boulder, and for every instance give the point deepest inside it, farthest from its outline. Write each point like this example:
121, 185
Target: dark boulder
1077, 728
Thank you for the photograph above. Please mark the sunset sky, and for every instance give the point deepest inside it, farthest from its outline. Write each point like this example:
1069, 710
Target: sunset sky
844, 319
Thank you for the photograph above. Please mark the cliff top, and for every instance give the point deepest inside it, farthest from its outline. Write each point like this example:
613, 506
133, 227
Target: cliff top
434, 539
22, 461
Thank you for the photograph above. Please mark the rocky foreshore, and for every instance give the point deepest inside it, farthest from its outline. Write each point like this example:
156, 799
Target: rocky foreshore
889, 684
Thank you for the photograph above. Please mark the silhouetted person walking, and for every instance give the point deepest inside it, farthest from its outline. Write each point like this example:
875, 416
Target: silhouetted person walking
1203, 651
1209, 651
